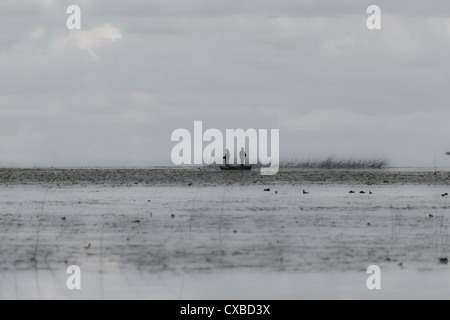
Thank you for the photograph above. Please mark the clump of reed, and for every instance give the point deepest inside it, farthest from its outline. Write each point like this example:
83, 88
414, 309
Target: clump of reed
333, 163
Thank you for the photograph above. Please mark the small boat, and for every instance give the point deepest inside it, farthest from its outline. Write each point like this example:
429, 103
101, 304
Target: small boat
235, 167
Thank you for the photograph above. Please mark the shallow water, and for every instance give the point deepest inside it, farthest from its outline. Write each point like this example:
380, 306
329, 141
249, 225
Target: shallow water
226, 285
224, 241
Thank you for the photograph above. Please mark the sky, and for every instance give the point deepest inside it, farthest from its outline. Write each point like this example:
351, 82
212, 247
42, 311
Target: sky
112, 93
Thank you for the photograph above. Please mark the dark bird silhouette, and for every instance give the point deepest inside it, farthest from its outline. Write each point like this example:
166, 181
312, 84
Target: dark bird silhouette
430, 215
276, 192
268, 189
370, 192
305, 192
351, 191
443, 260
362, 192
444, 194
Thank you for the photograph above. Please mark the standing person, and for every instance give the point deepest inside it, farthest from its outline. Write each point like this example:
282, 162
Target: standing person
242, 155
226, 157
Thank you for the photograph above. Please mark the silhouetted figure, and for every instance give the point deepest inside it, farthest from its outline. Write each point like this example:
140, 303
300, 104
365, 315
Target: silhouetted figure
226, 158
305, 192
242, 155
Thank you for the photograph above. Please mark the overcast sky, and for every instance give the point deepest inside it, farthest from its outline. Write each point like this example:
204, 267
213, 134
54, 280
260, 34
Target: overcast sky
111, 93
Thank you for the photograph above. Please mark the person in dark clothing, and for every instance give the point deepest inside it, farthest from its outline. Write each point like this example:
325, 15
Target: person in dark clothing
226, 158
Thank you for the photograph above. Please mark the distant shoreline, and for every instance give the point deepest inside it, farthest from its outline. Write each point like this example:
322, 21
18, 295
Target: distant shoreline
211, 176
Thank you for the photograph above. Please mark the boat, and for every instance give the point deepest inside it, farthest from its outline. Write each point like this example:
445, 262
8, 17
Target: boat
235, 167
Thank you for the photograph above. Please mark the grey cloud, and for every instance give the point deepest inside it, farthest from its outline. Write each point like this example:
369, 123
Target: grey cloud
267, 7
253, 64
